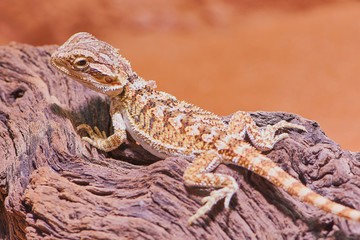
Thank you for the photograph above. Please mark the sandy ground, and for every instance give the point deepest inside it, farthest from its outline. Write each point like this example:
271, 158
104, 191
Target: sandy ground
221, 55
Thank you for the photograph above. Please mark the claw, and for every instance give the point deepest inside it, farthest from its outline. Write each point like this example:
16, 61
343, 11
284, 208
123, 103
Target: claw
285, 124
100, 134
89, 140
227, 201
281, 137
97, 131
104, 134
209, 201
191, 220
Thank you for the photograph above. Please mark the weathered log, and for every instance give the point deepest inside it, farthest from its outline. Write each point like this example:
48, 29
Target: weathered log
53, 185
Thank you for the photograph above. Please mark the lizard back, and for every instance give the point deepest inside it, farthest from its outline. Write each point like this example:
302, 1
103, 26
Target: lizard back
168, 126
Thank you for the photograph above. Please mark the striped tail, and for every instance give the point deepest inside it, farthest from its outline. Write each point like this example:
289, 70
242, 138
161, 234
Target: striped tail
263, 166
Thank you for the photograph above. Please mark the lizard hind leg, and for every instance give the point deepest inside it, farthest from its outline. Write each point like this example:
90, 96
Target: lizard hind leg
263, 139
198, 174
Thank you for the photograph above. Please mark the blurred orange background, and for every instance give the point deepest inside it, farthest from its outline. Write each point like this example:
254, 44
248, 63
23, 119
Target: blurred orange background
223, 55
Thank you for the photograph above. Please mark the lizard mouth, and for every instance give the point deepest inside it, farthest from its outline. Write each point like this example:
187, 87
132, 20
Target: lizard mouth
60, 65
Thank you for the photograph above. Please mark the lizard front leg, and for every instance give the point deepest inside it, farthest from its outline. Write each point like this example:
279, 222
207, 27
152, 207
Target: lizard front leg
263, 139
100, 141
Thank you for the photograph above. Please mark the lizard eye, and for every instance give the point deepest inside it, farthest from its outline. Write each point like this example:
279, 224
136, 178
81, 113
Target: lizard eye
108, 79
81, 63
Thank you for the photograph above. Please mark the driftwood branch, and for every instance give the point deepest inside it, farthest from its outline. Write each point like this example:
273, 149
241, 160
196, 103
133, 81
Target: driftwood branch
55, 186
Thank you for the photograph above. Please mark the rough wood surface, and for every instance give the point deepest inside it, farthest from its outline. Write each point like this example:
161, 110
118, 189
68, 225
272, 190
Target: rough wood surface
55, 186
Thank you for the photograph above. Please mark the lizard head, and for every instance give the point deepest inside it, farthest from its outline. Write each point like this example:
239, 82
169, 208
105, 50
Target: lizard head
93, 63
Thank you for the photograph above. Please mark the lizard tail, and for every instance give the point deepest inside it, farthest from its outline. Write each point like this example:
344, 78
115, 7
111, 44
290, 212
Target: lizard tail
263, 166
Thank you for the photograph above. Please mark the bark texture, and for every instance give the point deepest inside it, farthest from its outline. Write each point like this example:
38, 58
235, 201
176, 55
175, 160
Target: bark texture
55, 186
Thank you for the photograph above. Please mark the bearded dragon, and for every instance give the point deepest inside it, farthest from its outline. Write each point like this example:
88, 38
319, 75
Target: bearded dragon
166, 126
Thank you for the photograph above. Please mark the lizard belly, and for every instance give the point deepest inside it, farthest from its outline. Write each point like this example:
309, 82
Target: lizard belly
130, 129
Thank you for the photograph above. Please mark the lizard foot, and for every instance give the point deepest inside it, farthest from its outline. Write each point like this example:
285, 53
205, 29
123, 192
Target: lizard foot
210, 201
94, 135
99, 140
269, 139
